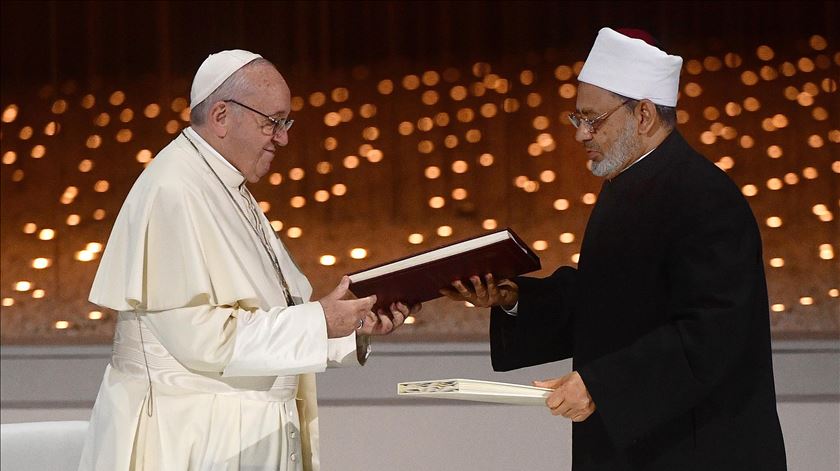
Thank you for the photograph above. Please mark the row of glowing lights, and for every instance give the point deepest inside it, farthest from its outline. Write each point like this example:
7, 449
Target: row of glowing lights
124, 135
775, 184
488, 110
98, 315
480, 70
458, 167
457, 93
774, 151
179, 105
776, 222
543, 143
434, 172
562, 73
769, 73
820, 210
465, 115
804, 97
765, 53
826, 251
91, 250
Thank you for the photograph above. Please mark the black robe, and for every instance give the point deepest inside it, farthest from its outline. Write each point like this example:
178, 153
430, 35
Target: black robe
667, 322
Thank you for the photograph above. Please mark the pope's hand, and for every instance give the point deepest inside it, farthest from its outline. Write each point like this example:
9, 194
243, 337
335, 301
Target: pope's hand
384, 322
479, 294
570, 398
343, 312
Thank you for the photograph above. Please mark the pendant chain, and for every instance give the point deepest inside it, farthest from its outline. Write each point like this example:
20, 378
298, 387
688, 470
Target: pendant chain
255, 226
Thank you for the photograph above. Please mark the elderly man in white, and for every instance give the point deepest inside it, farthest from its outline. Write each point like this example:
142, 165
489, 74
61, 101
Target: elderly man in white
217, 341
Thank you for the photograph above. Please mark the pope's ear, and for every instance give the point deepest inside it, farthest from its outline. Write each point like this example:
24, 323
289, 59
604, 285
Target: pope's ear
218, 119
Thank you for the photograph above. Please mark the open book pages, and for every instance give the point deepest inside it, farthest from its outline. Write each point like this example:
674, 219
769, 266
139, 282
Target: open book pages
475, 390
433, 255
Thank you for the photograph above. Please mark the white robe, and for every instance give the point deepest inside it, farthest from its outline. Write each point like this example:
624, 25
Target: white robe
202, 316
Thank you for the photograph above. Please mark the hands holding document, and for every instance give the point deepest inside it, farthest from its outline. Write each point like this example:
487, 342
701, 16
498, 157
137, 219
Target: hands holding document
383, 323
570, 397
344, 313
504, 294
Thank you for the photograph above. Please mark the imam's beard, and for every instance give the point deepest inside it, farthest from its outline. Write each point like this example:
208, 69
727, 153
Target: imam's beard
619, 154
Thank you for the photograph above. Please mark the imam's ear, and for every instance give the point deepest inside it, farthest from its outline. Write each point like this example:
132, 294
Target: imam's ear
647, 116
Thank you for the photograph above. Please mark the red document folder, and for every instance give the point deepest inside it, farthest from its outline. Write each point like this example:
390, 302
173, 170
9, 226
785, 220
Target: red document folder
419, 278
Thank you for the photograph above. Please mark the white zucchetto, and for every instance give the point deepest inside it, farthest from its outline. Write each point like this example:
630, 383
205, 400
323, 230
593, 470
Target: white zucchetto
632, 68
215, 70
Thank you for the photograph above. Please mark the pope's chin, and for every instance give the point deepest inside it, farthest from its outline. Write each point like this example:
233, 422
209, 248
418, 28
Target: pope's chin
264, 164
258, 174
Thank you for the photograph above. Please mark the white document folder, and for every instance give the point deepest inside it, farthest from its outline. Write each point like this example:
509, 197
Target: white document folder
475, 390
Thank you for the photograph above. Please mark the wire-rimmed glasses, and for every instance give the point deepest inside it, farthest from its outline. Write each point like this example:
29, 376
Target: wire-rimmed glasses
592, 124
274, 125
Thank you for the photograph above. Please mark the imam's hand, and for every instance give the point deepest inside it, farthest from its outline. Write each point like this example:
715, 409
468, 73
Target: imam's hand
479, 294
570, 398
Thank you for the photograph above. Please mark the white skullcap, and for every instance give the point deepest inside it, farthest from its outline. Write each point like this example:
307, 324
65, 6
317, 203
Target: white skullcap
215, 70
632, 68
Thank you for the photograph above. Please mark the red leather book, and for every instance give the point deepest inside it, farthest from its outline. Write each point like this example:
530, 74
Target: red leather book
419, 278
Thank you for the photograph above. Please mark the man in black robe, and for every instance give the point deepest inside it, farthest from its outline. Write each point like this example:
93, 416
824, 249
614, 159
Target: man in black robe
666, 317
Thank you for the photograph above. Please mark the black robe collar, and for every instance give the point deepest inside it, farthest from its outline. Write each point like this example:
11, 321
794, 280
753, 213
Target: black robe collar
646, 169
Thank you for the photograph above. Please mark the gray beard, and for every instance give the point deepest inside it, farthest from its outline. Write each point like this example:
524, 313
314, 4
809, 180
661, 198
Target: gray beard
619, 154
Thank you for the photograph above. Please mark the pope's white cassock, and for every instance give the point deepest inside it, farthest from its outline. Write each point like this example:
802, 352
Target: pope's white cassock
211, 369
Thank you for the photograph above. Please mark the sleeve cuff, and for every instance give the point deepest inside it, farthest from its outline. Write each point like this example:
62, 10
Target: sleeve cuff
512, 311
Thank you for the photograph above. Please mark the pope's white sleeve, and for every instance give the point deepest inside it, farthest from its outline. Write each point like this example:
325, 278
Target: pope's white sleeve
281, 341
199, 337
240, 342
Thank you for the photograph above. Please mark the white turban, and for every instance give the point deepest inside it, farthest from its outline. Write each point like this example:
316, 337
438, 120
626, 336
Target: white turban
632, 68
215, 70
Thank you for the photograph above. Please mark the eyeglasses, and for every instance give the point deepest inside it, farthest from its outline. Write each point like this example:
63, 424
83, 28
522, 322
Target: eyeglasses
274, 125
592, 124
